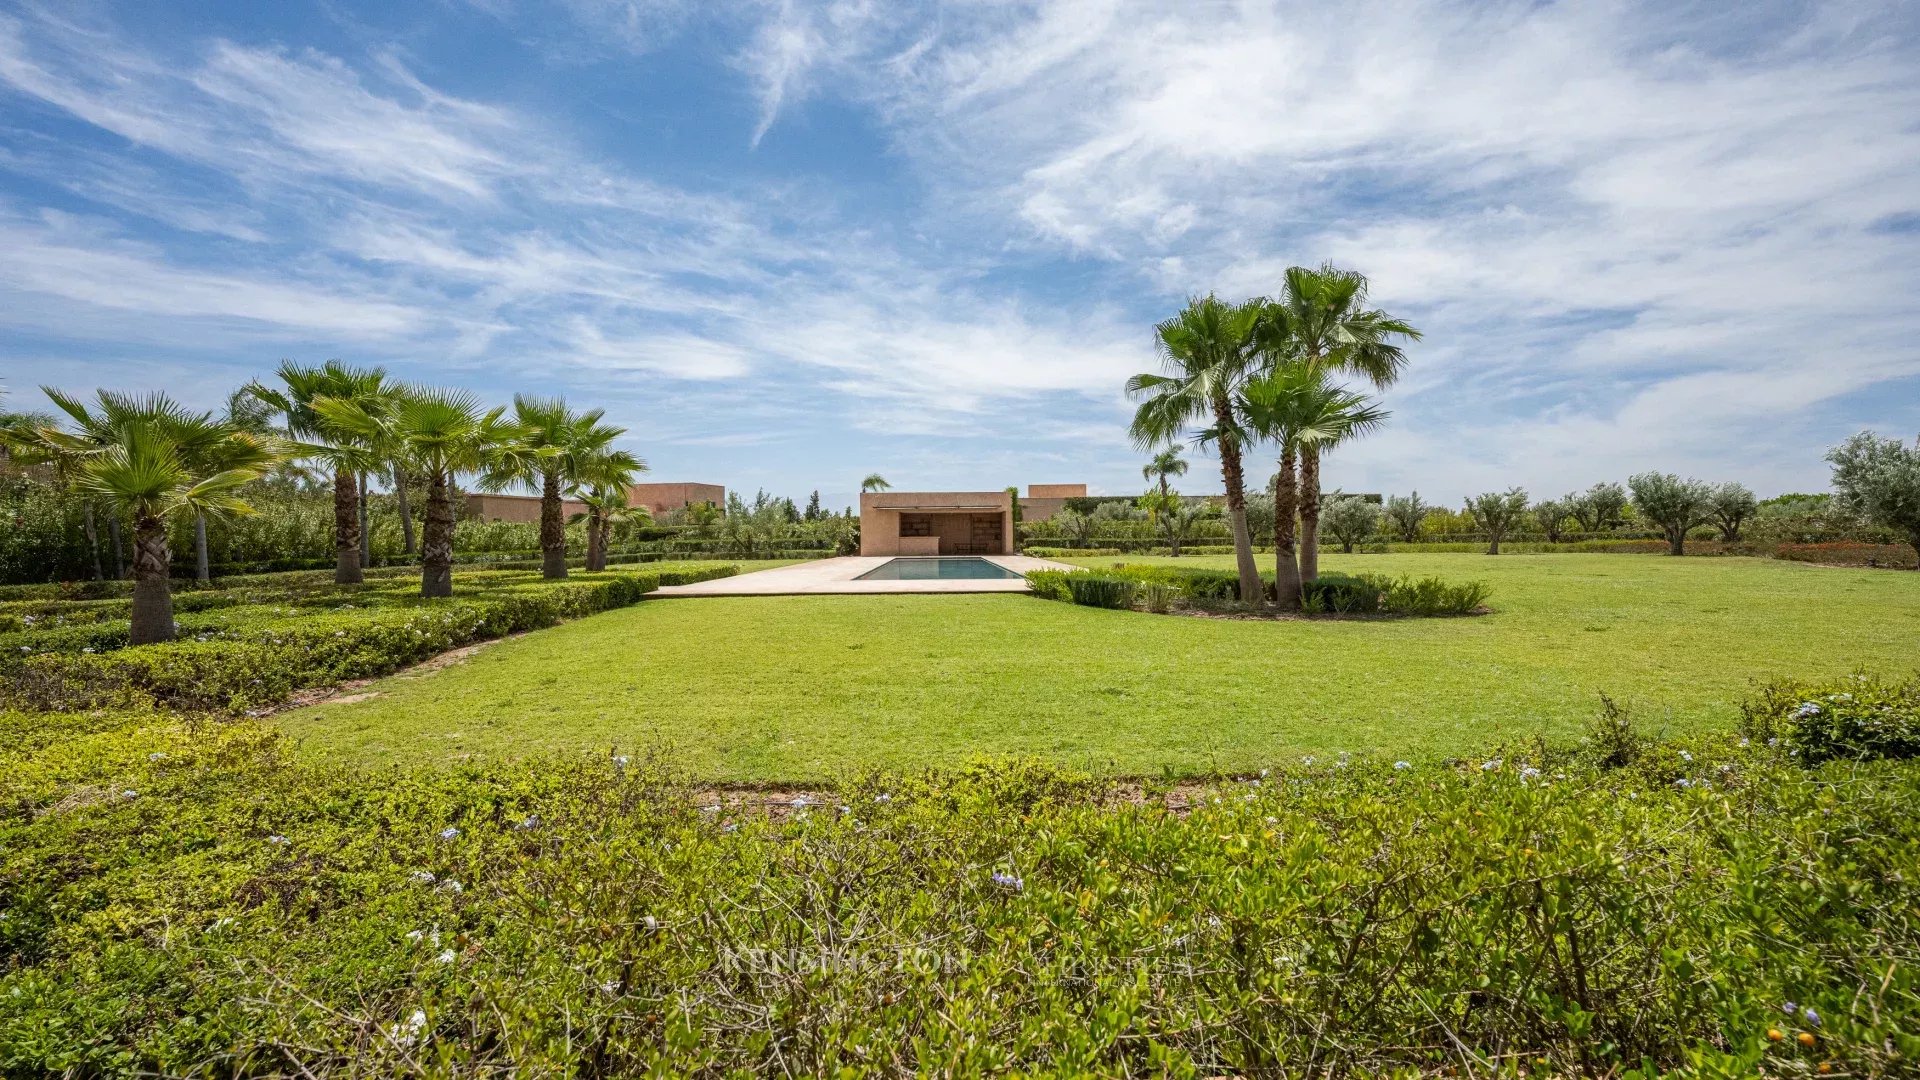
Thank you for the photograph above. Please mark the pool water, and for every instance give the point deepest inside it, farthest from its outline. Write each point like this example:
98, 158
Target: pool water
937, 569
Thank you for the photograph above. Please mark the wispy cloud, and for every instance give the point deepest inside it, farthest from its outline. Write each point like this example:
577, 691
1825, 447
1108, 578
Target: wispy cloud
1636, 233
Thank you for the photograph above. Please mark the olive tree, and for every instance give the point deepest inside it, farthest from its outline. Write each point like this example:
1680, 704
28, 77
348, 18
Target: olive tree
1732, 504
1879, 479
1598, 508
1496, 513
1405, 512
1550, 514
1350, 519
1673, 504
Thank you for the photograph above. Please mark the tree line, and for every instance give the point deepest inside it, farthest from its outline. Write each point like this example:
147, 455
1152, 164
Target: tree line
148, 459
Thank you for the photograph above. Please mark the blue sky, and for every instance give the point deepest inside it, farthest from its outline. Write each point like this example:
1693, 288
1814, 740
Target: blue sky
789, 243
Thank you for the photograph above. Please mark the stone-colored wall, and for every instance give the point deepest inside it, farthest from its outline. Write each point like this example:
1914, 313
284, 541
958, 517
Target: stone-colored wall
522, 508
1056, 491
661, 498
947, 515
658, 498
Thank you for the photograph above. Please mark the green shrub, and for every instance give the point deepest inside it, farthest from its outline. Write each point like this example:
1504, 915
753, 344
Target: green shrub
186, 897
247, 657
1068, 553
1857, 718
1049, 584
1429, 596
1159, 597
1340, 594
1100, 590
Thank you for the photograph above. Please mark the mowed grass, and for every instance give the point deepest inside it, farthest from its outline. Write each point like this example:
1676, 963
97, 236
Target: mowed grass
799, 688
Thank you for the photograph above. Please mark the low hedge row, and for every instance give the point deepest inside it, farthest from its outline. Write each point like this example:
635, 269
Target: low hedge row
247, 664
1330, 593
185, 897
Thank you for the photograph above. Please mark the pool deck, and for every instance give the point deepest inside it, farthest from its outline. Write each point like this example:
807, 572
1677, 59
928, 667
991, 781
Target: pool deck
829, 576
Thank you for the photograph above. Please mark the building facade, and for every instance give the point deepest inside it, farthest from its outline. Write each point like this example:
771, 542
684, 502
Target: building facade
936, 523
655, 498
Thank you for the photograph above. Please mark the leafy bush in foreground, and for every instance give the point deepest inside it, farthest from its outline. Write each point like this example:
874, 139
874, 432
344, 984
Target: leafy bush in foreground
180, 896
1861, 717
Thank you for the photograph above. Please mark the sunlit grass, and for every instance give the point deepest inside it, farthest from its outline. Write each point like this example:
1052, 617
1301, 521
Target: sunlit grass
799, 687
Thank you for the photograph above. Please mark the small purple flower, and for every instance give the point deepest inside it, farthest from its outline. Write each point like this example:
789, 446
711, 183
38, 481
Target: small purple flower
1008, 881
1813, 1018
1790, 1008
449, 833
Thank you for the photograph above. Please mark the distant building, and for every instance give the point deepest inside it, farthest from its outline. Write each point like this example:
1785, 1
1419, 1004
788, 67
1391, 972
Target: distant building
656, 498
936, 523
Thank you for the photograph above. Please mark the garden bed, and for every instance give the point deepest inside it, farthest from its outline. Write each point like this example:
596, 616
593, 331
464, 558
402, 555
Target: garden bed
181, 896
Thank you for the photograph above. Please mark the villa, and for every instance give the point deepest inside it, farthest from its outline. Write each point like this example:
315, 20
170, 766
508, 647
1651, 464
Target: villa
936, 523
655, 498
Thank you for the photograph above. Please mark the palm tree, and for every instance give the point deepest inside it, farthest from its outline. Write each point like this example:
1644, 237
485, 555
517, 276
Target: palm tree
1166, 463
1321, 319
161, 460
1296, 407
1204, 350
349, 456
32, 439
874, 482
548, 456
602, 488
441, 434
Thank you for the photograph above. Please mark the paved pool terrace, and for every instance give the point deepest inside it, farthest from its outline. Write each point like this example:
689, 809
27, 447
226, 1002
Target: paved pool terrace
843, 575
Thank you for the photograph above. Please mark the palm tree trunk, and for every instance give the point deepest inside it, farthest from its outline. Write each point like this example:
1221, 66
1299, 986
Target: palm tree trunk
93, 537
152, 592
1286, 504
346, 530
1309, 514
406, 511
436, 547
1252, 589
202, 566
553, 529
113, 537
596, 542
366, 533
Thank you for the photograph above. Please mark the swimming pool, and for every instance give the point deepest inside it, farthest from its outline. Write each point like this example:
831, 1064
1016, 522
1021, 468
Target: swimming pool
938, 569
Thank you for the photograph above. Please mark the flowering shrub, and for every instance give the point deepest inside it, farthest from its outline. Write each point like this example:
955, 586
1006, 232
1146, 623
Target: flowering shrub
1858, 717
182, 896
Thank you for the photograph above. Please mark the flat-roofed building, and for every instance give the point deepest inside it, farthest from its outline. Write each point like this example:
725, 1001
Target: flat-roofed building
656, 498
936, 523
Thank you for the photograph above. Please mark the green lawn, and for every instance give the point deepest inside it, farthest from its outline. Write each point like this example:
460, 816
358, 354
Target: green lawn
797, 688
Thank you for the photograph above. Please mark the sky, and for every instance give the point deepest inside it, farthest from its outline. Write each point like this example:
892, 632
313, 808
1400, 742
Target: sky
789, 243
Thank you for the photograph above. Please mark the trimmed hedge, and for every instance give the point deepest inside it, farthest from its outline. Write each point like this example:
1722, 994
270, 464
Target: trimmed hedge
1101, 591
247, 663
